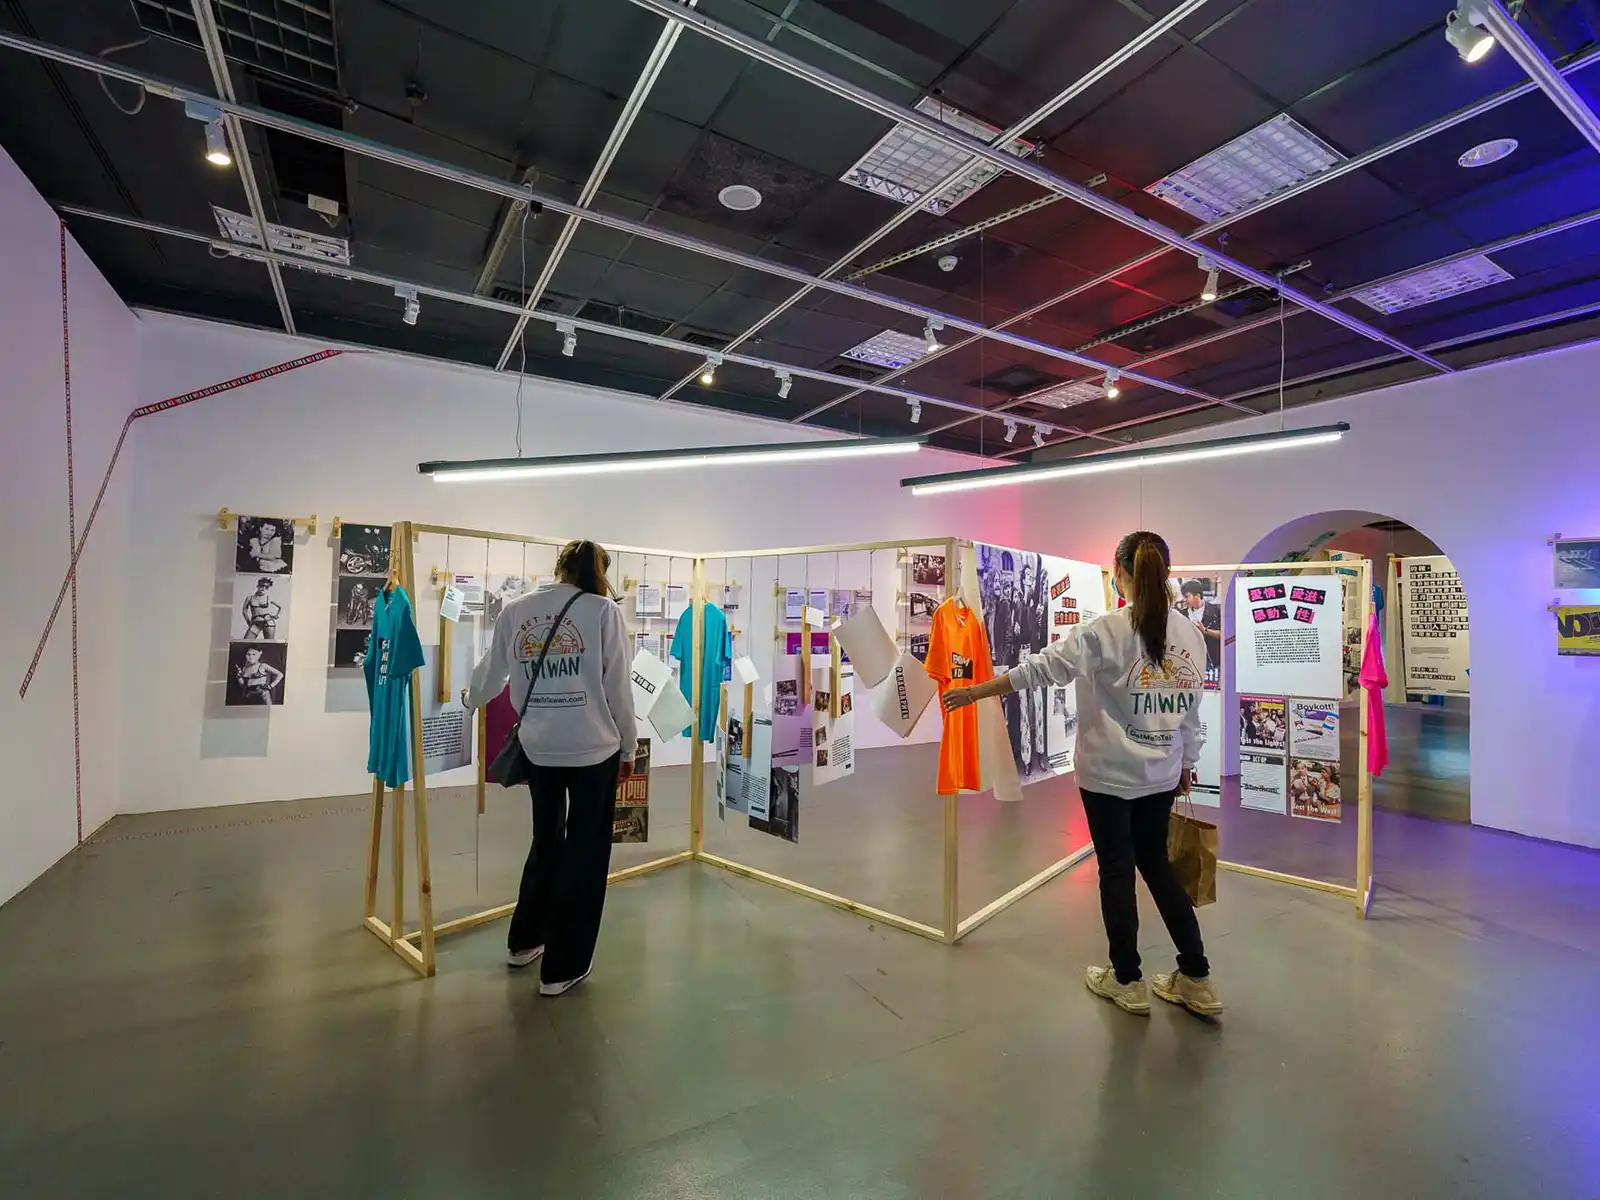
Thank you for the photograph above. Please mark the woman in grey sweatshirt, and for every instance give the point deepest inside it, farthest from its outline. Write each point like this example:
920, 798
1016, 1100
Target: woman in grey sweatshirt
579, 733
1139, 673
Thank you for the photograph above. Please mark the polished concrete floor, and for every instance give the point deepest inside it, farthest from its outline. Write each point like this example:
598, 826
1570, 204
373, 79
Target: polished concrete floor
188, 1009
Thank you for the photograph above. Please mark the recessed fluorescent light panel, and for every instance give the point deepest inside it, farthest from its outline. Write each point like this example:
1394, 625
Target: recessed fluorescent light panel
907, 162
488, 469
890, 349
1067, 395
242, 228
1436, 283
1124, 460
1271, 157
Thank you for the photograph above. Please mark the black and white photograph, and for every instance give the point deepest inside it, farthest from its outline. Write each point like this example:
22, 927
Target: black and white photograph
503, 589
786, 698
917, 646
783, 804
1578, 563
1016, 608
260, 608
923, 606
256, 673
264, 546
356, 596
927, 570
350, 647
735, 737
364, 550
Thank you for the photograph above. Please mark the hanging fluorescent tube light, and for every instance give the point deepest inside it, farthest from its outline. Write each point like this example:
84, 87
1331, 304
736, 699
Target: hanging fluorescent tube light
1123, 460
482, 469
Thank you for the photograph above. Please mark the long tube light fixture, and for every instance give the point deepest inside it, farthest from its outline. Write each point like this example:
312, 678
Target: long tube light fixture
477, 470
1124, 460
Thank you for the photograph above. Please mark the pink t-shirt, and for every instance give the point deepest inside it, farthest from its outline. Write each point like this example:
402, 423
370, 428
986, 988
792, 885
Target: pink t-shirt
1374, 679
499, 720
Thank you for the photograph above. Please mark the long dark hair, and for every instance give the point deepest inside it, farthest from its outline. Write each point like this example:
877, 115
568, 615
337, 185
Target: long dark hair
1145, 558
584, 566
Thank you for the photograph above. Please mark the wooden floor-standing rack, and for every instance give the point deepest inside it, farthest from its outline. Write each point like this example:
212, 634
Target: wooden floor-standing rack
417, 948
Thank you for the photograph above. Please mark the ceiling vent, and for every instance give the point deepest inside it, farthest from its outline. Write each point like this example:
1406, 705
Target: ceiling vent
316, 247
1068, 395
891, 349
1015, 381
622, 317
1273, 156
306, 172
291, 38
907, 162
853, 371
1435, 283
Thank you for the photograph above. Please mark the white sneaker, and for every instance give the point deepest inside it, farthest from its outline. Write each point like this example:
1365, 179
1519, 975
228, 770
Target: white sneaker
555, 989
1129, 997
1197, 995
524, 958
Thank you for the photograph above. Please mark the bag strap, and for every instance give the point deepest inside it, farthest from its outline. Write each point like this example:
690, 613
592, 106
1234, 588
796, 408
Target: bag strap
544, 651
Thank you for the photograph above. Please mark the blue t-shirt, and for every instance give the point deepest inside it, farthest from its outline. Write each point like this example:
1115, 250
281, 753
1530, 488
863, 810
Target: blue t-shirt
393, 652
719, 653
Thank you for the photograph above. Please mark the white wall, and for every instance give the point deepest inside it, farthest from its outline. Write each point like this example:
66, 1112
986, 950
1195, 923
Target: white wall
1487, 464
38, 820
342, 438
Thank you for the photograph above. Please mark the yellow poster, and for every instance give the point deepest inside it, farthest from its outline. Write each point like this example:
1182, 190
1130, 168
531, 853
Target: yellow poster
1578, 629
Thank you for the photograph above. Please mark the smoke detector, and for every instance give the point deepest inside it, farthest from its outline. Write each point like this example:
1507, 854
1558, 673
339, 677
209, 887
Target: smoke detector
740, 197
948, 263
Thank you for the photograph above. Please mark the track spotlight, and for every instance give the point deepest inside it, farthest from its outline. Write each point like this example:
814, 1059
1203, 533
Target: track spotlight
930, 335
1112, 390
413, 307
1464, 30
1209, 292
1011, 431
916, 411
210, 115
785, 382
709, 375
569, 337
1038, 436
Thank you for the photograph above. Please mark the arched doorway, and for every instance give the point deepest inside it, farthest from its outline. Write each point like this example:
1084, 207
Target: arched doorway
1428, 725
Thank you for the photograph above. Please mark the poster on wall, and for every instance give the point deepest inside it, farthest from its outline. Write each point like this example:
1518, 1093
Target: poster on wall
1577, 562
631, 822
1578, 630
1433, 610
1314, 730
261, 609
1200, 600
1208, 771
256, 674
364, 549
1263, 722
350, 647
1030, 600
1261, 782
1314, 790
1290, 635
264, 546
356, 598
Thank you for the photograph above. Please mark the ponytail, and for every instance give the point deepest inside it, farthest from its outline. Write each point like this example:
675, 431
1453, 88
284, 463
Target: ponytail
584, 566
1145, 558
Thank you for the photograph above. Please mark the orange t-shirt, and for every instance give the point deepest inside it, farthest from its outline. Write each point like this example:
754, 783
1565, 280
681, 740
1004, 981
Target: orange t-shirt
958, 656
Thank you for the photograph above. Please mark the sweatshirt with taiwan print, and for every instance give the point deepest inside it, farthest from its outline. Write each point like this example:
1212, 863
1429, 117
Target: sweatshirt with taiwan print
1138, 722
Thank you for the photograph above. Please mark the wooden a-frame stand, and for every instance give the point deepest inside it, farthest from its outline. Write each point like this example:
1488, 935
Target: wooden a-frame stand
416, 948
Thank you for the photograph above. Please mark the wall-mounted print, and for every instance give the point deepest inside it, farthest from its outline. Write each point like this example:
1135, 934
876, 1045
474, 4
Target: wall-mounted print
260, 608
265, 546
356, 595
350, 647
364, 550
1578, 563
256, 673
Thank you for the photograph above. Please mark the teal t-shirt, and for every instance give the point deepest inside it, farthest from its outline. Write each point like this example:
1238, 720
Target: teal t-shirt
393, 652
718, 655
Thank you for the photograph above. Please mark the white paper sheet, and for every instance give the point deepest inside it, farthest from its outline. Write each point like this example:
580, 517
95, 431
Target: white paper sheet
647, 600
814, 617
452, 604
650, 678
869, 647
898, 701
744, 670
671, 714
794, 603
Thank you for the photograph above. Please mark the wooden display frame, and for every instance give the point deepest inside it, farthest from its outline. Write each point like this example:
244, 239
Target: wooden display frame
417, 948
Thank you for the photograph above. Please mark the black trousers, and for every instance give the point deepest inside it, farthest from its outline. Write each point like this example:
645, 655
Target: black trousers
563, 891
1131, 834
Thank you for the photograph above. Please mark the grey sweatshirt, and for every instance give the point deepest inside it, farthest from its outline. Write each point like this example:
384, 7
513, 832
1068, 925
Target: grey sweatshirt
1138, 724
581, 712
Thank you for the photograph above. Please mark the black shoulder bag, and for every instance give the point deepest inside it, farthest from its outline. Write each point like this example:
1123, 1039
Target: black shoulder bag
511, 766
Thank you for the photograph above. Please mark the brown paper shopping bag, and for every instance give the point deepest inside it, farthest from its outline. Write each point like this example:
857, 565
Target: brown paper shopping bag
1192, 850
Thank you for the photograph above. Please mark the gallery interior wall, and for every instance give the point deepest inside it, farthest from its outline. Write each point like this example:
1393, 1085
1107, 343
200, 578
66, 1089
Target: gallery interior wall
1488, 464
342, 438
38, 817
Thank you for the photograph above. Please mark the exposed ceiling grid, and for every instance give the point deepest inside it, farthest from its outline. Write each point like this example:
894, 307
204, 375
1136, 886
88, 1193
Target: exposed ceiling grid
1395, 248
